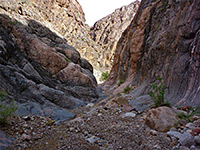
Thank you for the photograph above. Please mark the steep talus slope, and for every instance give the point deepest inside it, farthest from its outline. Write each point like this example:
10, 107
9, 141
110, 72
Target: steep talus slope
41, 72
162, 40
108, 30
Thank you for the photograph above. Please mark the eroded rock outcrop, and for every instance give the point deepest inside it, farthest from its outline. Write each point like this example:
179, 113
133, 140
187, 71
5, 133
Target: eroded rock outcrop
162, 40
32, 62
43, 12
107, 31
65, 18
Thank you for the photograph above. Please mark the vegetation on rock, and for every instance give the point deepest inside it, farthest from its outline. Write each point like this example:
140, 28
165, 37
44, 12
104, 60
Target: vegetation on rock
127, 89
104, 76
189, 115
6, 110
157, 93
67, 60
121, 81
156, 42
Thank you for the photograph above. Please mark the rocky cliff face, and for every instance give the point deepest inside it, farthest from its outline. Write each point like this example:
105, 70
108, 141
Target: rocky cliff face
162, 40
67, 19
64, 17
38, 69
107, 31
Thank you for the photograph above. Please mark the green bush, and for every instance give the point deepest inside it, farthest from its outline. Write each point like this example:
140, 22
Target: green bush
164, 3
91, 69
104, 76
158, 93
13, 23
6, 110
127, 89
121, 81
67, 60
187, 116
3, 94
23, 1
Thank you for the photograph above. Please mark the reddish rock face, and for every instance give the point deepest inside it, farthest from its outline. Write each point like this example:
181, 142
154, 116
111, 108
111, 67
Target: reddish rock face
74, 72
65, 18
43, 54
162, 40
108, 30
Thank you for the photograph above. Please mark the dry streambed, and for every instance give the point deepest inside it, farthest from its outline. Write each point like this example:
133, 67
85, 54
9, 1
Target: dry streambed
109, 124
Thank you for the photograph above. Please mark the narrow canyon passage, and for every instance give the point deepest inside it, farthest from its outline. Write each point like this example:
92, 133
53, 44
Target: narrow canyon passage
146, 54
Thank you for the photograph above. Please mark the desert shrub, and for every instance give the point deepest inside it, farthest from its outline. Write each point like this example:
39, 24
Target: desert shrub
187, 116
3, 94
164, 3
157, 93
127, 89
13, 23
6, 110
121, 81
23, 1
67, 60
104, 76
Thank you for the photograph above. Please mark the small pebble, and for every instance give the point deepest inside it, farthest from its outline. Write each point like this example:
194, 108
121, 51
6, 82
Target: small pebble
25, 137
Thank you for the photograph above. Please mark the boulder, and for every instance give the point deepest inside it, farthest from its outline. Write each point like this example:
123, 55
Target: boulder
197, 139
5, 141
86, 65
116, 102
49, 109
161, 118
42, 53
141, 103
73, 74
56, 96
186, 139
128, 114
70, 52
120, 101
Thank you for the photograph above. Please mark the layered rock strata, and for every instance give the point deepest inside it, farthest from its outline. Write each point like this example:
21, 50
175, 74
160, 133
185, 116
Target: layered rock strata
162, 40
108, 30
41, 72
67, 19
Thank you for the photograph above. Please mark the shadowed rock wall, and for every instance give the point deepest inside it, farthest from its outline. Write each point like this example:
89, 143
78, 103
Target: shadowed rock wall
41, 72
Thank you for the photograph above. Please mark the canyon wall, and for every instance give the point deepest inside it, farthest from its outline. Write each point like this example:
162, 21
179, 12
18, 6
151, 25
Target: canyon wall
162, 40
65, 18
39, 70
108, 30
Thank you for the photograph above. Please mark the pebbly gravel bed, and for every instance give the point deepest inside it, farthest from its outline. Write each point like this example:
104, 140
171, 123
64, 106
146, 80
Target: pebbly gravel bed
102, 129
96, 127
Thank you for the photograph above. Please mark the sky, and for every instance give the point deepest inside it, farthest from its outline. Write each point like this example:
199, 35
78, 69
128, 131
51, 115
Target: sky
97, 9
